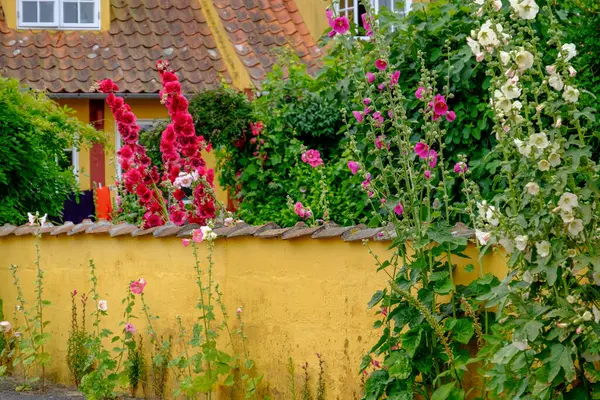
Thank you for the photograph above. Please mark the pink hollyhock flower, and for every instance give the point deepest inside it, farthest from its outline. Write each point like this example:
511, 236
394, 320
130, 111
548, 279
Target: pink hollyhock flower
367, 181
366, 101
381, 64
186, 242
367, 24
197, 235
137, 287
329, 16
381, 86
239, 310
395, 78
380, 142
354, 167
371, 194
313, 158
422, 150
427, 174
366, 110
129, 328
341, 25
460, 167
370, 77
419, 92
358, 115
399, 209
383, 200
300, 211
451, 116
439, 105
378, 118
432, 158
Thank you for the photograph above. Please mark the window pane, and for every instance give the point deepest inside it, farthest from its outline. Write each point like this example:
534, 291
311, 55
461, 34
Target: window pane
30, 12
46, 11
70, 13
86, 13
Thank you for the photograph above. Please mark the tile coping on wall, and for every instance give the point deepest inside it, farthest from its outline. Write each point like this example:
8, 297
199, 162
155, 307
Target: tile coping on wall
267, 231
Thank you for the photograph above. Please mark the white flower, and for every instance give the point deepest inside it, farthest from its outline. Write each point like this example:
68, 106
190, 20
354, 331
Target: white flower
587, 316
521, 242
532, 188
5, 326
551, 69
554, 159
570, 94
539, 140
596, 314
556, 82
501, 103
207, 233
511, 88
526, 9
478, 2
527, 277
228, 221
507, 244
543, 248
183, 180
492, 216
482, 207
567, 216
31, 218
102, 305
524, 149
504, 57
517, 105
571, 299
43, 220
575, 227
568, 201
544, 165
572, 71
483, 237
497, 4
558, 123
570, 49
524, 59
474, 45
487, 36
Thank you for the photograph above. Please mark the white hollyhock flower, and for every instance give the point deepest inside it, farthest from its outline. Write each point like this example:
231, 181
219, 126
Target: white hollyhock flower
539, 140
526, 9
207, 233
497, 4
527, 277
568, 201
575, 227
487, 36
31, 218
571, 94
43, 220
572, 71
532, 188
483, 237
524, 148
482, 207
492, 216
567, 216
504, 57
474, 45
587, 316
544, 165
570, 49
521, 242
102, 305
556, 83
543, 248
478, 2
524, 59
511, 88
551, 69
554, 159
501, 103
517, 105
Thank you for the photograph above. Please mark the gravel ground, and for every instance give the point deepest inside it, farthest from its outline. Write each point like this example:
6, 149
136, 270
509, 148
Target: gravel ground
7, 392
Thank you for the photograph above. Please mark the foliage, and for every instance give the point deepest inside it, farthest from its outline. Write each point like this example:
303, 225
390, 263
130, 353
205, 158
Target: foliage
126, 207
77, 353
136, 366
221, 115
34, 132
161, 357
150, 139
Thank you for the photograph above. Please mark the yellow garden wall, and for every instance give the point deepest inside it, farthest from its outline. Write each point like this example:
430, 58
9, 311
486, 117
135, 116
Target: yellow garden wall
299, 297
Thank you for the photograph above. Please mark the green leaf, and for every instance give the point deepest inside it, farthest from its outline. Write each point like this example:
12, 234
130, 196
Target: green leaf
462, 330
375, 385
411, 341
505, 354
530, 331
398, 365
469, 268
560, 357
443, 391
444, 286
376, 298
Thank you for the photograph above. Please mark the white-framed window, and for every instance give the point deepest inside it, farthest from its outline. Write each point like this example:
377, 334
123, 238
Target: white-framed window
65, 14
145, 125
353, 9
70, 160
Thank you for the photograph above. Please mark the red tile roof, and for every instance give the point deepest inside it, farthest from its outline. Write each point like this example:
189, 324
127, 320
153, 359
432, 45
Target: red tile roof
141, 32
257, 27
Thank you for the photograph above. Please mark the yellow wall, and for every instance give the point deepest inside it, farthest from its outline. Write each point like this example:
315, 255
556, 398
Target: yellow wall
299, 297
10, 13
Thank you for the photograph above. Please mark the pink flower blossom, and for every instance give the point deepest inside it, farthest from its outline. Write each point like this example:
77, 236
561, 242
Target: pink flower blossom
460, 167
185, 242
383, 200
451, 116
366, 20
399, 209
366, 101
432, 158
341, 25
358, 115
422, 150
370, 77
137, 287
395, 78
197, 235
381, 86
427, 174
381, 64
384, 310
378, 118
367, 181
129, 328
354, 167
301, 211
239, 310
439, 106
380, 142
313, 158
419, 92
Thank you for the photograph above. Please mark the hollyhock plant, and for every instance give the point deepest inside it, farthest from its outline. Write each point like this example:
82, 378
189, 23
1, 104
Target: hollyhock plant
370, 77
129, 328
313, 158
137, 287
353, 166
381, 64
367, 21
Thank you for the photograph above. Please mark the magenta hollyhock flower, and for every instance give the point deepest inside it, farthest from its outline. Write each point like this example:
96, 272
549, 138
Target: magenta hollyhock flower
381, 86
365, 184
367, 24
380, 142
129, 328
421, 149
432, 158
366, 110
383, 200
358, 115
312, 157
399, 209
439, 105
395, 78
460, 167
366, 101
341, 25
378, 118
451, 116
427, 174
384, 311
419, 92
137, 287
197, 235
185, 242
353, 166
370, 77
381, 64
300, 211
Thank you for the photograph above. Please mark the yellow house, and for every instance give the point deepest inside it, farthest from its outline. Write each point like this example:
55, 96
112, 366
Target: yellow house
64, 46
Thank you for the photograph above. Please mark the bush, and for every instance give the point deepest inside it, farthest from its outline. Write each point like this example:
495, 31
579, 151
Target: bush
34, 131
